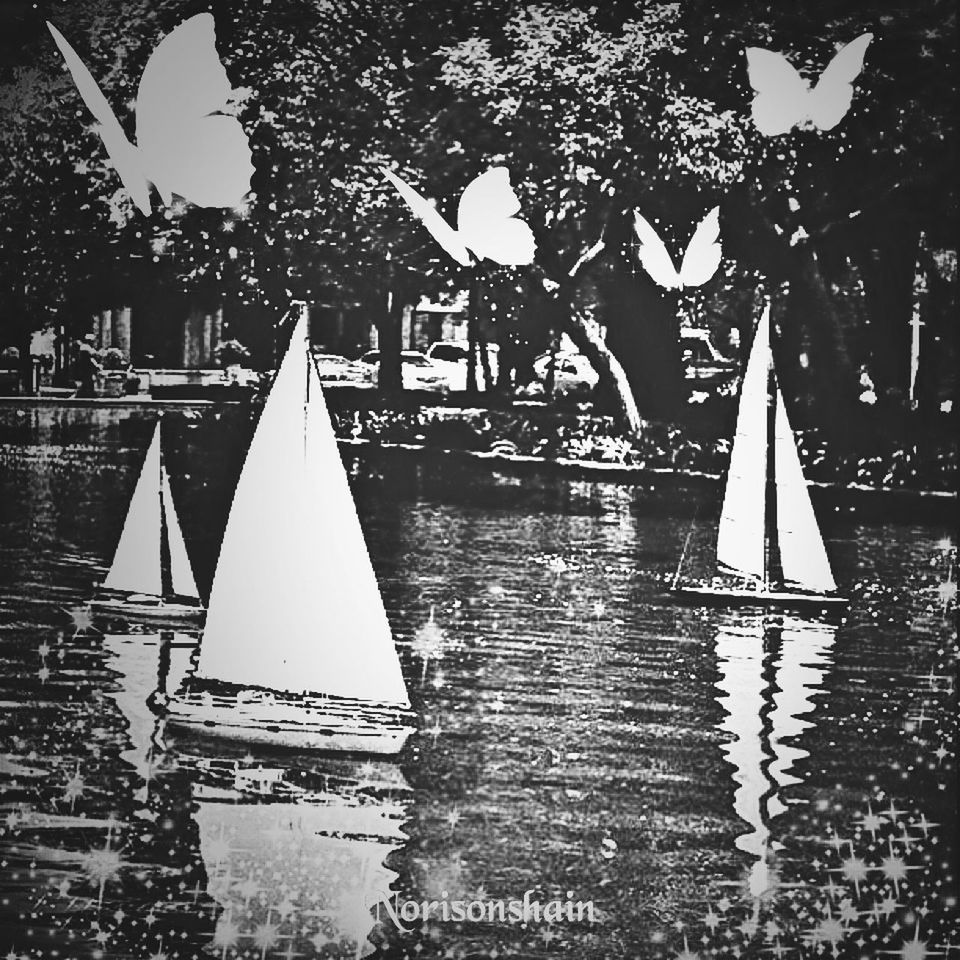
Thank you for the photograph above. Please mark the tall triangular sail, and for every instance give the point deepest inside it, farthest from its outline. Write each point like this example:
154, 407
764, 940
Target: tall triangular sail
136, 564
803, 556
295, 605
181, 573
740, 541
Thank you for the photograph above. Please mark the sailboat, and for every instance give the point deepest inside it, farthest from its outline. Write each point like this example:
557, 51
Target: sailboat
151, 578
296, 650
769, 546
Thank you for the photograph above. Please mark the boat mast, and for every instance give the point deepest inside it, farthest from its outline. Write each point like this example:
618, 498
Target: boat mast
772, 569
166, 568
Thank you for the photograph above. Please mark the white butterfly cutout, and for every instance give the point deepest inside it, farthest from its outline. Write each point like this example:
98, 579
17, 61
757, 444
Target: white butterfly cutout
486, 221
185, 145
785, 100
700, 261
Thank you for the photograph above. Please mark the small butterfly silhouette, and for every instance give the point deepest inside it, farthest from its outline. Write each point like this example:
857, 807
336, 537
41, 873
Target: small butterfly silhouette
185, 145
486, 221
785, 100
700, 261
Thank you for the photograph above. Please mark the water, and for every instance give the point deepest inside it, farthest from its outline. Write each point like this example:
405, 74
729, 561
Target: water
707, 781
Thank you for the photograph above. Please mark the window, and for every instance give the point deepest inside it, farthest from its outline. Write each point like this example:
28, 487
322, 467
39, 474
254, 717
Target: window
448, 351
415, 359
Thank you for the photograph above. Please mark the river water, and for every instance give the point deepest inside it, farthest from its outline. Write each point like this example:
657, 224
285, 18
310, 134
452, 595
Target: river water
700, 783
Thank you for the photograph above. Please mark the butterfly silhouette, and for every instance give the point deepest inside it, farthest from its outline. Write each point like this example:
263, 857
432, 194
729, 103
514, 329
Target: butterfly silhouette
700, 261
185, 145
785, 100
486, 221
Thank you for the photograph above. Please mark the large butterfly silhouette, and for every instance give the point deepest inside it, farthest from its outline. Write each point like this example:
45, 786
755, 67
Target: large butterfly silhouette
700, 260
486, 221
185, 145
785, 100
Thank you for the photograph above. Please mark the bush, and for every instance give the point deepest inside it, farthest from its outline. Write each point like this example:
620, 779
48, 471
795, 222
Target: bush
113, 359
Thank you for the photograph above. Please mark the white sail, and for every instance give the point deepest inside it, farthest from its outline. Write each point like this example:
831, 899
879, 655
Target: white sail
136, 564
181, 573
803, 556
295, 605
740, 540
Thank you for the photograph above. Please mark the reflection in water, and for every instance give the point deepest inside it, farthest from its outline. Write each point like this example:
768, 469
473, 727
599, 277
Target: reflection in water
298, 874
575, 707
770, 670
145, 663
293, 855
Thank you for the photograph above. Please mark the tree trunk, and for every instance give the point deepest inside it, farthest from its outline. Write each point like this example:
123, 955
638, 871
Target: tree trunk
887, 259
938, 339
389, 323
643, 332
812, 317
809, 322
473, 325
586, 336
26, 363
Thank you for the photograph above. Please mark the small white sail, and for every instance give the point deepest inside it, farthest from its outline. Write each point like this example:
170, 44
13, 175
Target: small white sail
740, 540
136, 564
803, 556
295, 605
181, 573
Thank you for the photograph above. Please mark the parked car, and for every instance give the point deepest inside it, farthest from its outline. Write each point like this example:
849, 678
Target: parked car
451, 358
702, 361
573, 373
333, 368
417, 371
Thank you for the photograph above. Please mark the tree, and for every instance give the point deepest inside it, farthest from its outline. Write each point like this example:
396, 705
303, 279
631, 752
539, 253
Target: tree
595, 111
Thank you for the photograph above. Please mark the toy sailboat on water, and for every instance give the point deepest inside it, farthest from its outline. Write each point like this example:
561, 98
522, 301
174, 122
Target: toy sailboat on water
769, 546
297, 650
150, 578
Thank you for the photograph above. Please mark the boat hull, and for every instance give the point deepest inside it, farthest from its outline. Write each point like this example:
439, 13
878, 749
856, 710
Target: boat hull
132, 611
327, 724
741, 597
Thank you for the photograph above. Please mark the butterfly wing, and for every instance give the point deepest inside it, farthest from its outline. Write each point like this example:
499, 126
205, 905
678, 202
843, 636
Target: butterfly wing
440, 230
782, 95
124, 156
189, 146
486, 218
832, 95
703, 253
653, 255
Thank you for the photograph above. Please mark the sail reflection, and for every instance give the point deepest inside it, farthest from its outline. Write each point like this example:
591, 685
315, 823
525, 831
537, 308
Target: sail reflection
148, 666
296, 859
274, 854
771, 669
